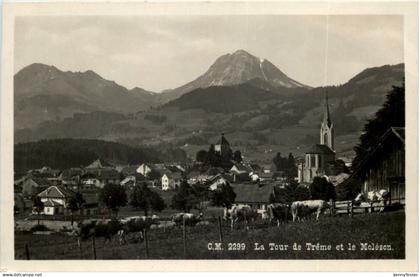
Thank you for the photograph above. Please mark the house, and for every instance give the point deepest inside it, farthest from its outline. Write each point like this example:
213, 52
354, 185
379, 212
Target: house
31, 186
151, 171
71, 177
91, 205
257, 196
109, 176
384, 166
55, 199
220, 179
239, 168
338, 179
193, 177
171, 180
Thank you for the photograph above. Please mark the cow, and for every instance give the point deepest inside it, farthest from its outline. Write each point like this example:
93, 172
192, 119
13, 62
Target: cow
136, 225
373, 199
240, 213
189, 218
301, 209
279, 212
106, 229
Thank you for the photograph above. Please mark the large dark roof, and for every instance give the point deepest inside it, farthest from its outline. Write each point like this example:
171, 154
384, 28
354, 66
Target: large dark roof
99, 163
252, 193
56, 192
320, 149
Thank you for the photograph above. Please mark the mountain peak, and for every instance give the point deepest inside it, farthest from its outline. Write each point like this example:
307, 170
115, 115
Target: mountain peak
241, 52
238, 68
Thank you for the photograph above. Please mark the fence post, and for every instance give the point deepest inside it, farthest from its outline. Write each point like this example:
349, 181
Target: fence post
331, 207
79, 244
184, 237
219, 219
371, 206
146, 243
27, 251
351, 208
93, 248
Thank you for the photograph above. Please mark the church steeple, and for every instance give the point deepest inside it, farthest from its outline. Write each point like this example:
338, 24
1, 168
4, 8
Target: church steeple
326, 132
327, 118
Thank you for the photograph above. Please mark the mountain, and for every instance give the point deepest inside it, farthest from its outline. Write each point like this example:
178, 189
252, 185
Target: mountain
234, 69
257, 117
44, 92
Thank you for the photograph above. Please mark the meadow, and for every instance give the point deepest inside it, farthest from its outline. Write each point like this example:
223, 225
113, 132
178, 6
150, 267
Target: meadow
338, 237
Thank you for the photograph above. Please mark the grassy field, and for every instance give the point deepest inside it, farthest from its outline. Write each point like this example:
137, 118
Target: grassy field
382, 229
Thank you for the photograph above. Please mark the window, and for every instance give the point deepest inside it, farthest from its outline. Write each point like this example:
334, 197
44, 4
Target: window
313, 161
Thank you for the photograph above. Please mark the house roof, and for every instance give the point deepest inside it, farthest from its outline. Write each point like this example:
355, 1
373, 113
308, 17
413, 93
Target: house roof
252, 193
241, 167
173, 175
129, 170
70, 173
40, 182
320, 149
56, 192
381, 147
99, 163
223, 140
107, 174
338, 179
52, 203
194, 173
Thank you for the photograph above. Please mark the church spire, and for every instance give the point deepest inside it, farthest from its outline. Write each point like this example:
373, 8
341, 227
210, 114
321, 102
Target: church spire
327, 132
327, 118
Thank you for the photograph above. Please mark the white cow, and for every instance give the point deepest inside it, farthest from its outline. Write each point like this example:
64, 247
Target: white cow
239, 212
372, 199
301, 209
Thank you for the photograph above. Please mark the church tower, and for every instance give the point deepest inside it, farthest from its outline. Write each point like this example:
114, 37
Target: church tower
327, 131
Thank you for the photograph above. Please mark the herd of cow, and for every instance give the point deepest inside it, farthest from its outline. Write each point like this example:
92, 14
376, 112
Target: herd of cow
134, 227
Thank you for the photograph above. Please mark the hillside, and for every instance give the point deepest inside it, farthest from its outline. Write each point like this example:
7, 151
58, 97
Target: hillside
45, 93
223, 99
67, 153
233, 69
257, 118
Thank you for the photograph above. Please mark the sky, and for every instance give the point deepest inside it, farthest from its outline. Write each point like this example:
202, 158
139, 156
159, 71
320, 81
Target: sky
164, 52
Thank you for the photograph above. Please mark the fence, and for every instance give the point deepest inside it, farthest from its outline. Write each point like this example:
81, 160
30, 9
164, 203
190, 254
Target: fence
184, 236
350, 207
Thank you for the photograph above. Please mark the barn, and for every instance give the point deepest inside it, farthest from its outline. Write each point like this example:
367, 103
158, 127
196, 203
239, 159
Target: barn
384, 166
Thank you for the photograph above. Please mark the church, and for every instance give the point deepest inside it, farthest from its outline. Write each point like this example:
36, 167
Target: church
320, 158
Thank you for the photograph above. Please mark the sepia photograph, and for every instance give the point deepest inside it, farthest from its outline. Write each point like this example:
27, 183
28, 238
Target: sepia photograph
190, 136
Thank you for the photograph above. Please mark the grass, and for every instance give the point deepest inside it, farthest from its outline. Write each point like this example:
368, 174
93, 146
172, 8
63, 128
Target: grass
386, 229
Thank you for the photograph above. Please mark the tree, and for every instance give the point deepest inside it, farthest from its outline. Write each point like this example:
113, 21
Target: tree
392, 114
145, 199
201, 192
224, 196
38, 206
322, 189
201, 156
348, 189
211, 155
290, 193
113, 197
278, 161
237, 156
76, 204
291, 166
184, 199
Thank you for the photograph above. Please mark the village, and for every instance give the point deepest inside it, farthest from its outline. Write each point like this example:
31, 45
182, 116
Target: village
102, 189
